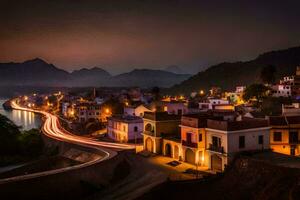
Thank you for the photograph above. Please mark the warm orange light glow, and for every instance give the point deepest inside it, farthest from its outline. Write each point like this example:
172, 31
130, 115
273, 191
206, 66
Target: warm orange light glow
25, 98
72, 112
201, 92
107, 111
165, 108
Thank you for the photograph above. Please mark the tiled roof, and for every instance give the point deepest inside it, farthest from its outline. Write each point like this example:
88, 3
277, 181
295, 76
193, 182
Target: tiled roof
126, 119
201, 119
236, 125
284, 120
161, 116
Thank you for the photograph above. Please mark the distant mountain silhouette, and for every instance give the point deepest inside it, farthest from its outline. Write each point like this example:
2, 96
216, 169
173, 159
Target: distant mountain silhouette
174, 69
32, 72
148, 78
90, 77
229, 75
39, 73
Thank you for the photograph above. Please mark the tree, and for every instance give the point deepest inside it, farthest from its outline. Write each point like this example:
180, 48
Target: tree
272, 105
9, 133
31, 143
15, 142
155, 91
267, 74
256, 92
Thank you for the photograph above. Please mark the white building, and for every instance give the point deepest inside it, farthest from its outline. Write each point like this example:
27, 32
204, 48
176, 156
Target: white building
136, 111
282, 90
64, 108
88, 111
226, 138
291, 110
288, 80
176, 108
210, 104
240, 89
125, 128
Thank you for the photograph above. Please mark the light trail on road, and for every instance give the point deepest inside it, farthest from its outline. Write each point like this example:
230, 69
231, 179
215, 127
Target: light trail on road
53, 129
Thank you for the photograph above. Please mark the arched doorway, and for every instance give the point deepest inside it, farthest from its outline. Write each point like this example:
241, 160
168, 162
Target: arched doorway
216, 163
168, 150
190, 156
149, 144
176, 152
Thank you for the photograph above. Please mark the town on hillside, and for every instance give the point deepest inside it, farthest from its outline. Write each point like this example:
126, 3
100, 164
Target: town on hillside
205, 129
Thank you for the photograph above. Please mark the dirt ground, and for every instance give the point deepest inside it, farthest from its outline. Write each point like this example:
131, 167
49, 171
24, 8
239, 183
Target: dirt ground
279, 159
146, 173
248, 178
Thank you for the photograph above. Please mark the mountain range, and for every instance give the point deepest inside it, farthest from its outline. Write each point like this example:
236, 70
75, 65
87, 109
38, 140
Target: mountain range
229, 75
37, 72
226, 75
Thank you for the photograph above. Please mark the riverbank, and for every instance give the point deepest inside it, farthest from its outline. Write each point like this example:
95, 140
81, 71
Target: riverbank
26, 120
6, 105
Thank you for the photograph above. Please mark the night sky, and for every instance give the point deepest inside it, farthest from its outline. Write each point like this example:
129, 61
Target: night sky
120, 35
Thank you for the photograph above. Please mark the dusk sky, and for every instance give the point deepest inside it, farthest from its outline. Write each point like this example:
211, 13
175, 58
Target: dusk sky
120, 35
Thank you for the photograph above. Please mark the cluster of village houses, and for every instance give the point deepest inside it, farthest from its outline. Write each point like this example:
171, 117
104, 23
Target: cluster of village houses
210, 134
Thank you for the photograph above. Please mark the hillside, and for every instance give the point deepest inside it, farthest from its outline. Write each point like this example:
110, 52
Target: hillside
174, 69
229, 75
39, 73
148, 78
90, 77
33, 72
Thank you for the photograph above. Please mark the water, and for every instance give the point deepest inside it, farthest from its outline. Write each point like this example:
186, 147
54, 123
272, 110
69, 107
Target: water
27, 120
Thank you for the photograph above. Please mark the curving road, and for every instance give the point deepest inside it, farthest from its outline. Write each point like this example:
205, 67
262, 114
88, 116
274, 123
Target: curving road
53, 129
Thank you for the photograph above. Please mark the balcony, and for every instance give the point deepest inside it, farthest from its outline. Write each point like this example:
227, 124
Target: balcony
215, 148
189, 144
150, 133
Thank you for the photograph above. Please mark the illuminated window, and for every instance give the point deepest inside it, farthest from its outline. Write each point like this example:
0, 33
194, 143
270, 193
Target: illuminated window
165, 108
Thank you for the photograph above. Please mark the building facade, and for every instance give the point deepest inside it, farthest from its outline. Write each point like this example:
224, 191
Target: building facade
226, 138
282, 90
159, 125
136, 110
125, 128
285, 134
